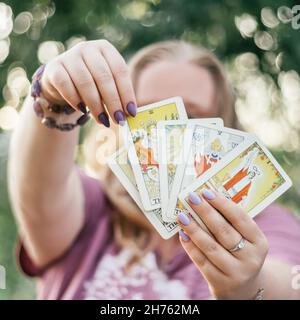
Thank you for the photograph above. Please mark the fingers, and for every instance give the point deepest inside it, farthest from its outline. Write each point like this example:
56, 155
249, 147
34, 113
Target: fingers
214, 252
121, 76
105, 82
209, 271
94, 73
239, 219
58, 79
85, 85
226, 235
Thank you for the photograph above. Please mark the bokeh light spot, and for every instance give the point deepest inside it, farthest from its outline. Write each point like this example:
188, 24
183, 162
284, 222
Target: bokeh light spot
246, 24
6, 22
8, 118
22, 22
4, 50
264, 40
284, 14
71, 42
49, 49
268, 18
135, 10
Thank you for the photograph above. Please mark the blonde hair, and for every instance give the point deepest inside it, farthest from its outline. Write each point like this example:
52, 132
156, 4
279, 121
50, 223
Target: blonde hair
126, 233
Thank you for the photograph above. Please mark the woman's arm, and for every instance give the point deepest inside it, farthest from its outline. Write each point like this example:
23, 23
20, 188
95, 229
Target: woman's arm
278, 279
44, 186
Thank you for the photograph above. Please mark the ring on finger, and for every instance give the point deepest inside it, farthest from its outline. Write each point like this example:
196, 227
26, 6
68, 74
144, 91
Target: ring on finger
239, 246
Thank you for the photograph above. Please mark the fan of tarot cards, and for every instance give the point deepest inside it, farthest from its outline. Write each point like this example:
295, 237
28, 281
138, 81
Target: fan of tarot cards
166, 156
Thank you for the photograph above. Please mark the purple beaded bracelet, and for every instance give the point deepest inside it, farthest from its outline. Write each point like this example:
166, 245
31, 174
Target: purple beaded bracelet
40, 103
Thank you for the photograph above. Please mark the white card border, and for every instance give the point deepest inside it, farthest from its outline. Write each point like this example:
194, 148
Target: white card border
162, 158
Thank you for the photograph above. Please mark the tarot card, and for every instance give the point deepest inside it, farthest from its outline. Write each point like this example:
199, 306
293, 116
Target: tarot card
208, 145
120, 166
171, 151
250, 176
143, 149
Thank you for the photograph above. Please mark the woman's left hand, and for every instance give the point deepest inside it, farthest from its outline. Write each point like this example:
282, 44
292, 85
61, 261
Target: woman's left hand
230, 274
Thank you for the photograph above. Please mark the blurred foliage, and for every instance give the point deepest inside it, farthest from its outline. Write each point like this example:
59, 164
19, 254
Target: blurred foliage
251, 32
132, 24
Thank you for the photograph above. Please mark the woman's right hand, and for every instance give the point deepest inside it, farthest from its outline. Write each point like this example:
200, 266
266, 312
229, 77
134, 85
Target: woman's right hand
93, 74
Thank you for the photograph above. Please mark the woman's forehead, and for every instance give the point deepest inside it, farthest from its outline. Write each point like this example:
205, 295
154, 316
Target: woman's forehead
163, 80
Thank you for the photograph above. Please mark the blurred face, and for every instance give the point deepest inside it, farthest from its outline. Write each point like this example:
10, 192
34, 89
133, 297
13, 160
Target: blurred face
168, 79
162, 80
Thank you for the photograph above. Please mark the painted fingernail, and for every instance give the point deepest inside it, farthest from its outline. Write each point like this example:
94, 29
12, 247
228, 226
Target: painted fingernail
120, 117
81, 106
184, 236
209, 195
104, 119
131, 108
184, 219
194, 198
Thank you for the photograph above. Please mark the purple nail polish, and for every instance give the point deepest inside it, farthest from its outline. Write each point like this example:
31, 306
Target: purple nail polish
38, 109
184, 219
82, 107
194, 198
39, 72
36, 89
184, 236
120, 117
131, 108
83, 119
104, 119
209, 195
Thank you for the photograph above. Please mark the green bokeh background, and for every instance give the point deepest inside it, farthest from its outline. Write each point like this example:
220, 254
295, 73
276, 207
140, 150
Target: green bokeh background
130, 25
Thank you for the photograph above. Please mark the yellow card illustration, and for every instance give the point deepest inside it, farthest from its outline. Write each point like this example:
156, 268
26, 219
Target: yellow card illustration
143, 149
174, 136
170, 155
250, 177
122, 160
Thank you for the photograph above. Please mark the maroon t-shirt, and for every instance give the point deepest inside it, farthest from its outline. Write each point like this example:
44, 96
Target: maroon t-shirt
94, 267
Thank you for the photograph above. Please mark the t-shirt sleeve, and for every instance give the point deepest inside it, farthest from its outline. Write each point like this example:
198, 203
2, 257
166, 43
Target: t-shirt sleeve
94, 210
282, 229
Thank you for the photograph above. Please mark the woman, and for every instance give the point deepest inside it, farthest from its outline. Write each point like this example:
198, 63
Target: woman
86, 239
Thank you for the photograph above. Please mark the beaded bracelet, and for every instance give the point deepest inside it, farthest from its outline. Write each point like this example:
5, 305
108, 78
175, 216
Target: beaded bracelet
260, 294
41, 106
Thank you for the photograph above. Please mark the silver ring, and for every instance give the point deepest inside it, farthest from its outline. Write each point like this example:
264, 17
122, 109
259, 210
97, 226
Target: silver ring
241, 244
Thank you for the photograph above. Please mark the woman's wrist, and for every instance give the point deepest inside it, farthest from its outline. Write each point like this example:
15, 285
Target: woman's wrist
54, 115
256, 289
